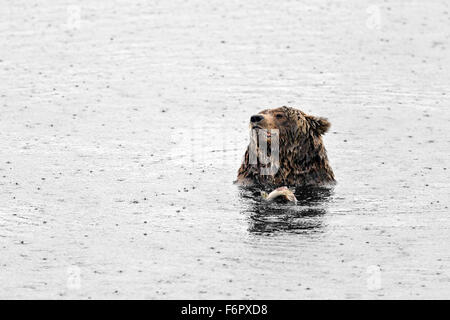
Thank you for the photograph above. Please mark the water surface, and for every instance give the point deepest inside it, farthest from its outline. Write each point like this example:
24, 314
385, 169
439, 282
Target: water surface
121, 136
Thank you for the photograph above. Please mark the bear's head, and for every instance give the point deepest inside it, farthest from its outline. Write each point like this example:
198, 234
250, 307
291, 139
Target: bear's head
292, 124
302, 158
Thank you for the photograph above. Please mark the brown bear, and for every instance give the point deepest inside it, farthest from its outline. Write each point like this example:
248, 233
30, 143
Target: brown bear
301, 158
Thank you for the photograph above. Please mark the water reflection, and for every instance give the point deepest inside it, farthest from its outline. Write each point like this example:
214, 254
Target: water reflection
269, 217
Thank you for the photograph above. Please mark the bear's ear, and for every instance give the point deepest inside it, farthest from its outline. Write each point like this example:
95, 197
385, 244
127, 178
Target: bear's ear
318, 124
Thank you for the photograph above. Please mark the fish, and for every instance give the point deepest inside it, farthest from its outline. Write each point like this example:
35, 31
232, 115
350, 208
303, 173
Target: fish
281, 193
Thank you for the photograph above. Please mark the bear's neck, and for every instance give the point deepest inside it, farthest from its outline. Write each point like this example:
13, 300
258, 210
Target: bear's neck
305, 163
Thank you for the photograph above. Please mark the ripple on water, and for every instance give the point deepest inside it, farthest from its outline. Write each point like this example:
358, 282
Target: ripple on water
304, 217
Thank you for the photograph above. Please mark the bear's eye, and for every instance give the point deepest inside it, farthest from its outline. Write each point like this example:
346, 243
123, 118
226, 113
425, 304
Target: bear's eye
279, 116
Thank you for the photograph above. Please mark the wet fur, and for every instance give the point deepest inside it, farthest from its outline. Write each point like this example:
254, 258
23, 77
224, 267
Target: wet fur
303, 157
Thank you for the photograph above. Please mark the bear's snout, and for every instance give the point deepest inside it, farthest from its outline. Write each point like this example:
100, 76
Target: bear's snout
256, 118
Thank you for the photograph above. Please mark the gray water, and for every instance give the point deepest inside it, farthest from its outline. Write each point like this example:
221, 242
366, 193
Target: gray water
123, 124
